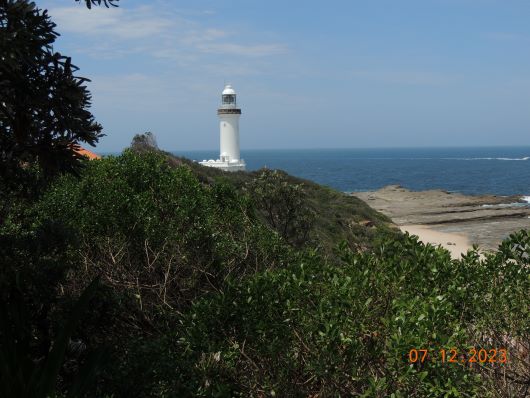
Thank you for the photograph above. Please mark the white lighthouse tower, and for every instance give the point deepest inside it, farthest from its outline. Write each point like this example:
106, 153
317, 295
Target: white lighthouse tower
229, 113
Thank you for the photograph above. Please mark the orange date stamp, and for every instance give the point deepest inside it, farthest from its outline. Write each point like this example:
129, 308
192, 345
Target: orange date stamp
455, 356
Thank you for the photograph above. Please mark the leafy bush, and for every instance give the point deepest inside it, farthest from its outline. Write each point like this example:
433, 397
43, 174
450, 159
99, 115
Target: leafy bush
283, 205
156, 233
317, 329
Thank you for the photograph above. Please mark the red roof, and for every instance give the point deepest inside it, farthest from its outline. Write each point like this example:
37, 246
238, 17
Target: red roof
85, 152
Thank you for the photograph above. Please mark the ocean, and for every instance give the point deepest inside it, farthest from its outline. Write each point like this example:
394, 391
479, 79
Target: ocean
475, 171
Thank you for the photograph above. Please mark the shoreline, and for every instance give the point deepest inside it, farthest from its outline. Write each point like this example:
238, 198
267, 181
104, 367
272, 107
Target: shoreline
444, 218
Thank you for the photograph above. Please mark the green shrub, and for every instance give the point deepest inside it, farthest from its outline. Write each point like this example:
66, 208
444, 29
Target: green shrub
283, 205
156, 233
346, 329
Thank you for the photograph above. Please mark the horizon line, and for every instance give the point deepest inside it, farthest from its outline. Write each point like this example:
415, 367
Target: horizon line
339, 148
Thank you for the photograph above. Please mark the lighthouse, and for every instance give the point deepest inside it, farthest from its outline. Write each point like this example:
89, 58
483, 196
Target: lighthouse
228, 113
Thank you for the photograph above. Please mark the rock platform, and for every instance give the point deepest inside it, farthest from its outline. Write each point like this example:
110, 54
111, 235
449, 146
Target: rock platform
485, 220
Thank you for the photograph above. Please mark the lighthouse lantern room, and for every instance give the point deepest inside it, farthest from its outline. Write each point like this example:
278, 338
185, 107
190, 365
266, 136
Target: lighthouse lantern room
229, 113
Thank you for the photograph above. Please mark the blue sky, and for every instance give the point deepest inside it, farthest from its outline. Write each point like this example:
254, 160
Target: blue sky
309, 74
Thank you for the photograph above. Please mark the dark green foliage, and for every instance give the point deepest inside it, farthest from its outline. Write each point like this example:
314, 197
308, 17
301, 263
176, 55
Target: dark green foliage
44, 107
202, 297
21, 375
505, 319
34, 260
328, 329
283, 205
331, 215
144, 142
106, 3
157, 232
158, 237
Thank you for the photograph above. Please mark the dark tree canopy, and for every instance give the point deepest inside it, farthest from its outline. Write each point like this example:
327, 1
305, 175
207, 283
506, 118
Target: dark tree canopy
106, 3
43, 105
145, 141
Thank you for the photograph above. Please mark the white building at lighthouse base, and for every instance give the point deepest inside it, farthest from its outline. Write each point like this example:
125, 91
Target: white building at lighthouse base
225, 165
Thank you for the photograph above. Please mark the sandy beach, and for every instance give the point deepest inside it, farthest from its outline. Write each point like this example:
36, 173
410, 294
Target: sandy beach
457, 244
452, 220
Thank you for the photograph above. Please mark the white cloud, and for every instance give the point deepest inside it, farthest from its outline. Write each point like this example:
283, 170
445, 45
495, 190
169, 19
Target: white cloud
118, 32
112, 22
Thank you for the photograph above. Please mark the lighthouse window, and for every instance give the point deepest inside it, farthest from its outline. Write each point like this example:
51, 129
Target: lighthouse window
229, 99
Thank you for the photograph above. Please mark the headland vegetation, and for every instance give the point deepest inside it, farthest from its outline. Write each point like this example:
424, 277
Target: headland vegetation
248, 284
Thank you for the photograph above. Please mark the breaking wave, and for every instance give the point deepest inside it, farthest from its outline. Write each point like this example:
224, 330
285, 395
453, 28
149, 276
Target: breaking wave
525, 202
525, 158
436, 158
